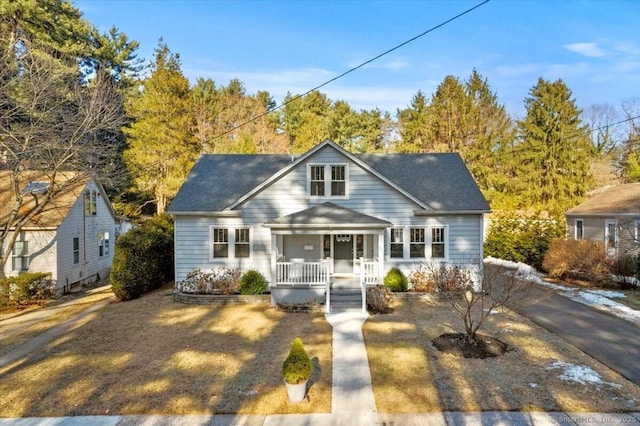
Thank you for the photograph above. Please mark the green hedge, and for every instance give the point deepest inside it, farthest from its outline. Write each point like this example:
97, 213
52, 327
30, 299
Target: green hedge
143, 258
522, 238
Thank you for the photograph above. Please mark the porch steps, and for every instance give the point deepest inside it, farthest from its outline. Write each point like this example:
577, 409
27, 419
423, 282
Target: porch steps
346, 299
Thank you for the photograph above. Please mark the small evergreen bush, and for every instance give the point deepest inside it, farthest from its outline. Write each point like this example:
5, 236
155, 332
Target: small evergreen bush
297, 367
395, 280
253, 282
143, 259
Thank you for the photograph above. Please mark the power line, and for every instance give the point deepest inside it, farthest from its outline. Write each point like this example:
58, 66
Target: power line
349, 71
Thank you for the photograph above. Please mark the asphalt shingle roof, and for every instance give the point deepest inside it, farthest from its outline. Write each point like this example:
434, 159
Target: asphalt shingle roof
328, 214
619, 199
441, 181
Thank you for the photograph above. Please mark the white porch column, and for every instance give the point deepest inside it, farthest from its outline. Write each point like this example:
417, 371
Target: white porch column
274, 259
381, 256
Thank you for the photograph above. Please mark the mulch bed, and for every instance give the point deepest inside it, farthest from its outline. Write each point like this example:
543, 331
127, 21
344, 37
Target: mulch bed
481, 347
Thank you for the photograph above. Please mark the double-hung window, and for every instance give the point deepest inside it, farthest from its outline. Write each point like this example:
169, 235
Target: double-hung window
20, 256
231, 242
90, 202
317, 181
338, 181
242, 243
397, 243
417, 243
220, 242
438, 242
103, 244
328, 180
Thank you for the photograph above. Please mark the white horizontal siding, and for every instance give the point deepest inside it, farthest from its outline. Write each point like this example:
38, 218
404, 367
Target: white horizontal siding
366, 193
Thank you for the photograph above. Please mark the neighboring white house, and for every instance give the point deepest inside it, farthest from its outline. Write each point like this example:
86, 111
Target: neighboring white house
72, 238
611, 216
304, 221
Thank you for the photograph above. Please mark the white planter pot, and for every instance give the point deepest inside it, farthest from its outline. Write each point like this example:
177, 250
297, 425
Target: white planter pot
296, 392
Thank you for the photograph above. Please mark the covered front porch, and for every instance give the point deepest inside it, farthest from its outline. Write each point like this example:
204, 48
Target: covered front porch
322, 248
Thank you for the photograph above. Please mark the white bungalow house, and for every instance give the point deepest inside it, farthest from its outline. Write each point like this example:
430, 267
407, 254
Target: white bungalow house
72, 238
306, 222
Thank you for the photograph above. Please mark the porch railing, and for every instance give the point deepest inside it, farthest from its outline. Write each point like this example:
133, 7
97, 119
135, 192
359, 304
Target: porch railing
302, 273
368, 276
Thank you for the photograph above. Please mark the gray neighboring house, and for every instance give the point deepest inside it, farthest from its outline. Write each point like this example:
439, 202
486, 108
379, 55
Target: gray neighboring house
611, 215
307, 222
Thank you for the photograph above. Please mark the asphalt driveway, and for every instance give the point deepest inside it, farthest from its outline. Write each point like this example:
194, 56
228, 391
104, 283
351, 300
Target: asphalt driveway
613, 341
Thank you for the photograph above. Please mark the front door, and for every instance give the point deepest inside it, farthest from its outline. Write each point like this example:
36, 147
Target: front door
343, 254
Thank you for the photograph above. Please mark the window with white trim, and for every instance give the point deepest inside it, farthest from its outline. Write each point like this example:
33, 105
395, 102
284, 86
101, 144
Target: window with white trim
396, 243
90, 202
20, 256
579, 229
438, 249
417, 243
76, 250
103, 244
338, 181
328, 180
242, 242
316, 180
220, 242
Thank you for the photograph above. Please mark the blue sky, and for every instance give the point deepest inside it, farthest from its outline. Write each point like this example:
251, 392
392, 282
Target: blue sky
294, 46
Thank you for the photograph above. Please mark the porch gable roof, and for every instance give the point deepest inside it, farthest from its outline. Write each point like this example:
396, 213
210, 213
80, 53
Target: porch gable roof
327, 215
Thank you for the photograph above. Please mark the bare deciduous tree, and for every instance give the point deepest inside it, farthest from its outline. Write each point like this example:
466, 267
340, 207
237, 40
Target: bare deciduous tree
51, 124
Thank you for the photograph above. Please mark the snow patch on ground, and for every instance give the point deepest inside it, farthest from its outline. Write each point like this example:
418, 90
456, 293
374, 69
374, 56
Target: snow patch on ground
598, 299
580, 373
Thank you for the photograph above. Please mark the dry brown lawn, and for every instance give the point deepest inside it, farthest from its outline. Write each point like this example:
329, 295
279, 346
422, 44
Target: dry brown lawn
410, 375
157, 356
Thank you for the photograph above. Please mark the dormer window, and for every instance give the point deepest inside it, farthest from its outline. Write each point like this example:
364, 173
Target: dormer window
328, 180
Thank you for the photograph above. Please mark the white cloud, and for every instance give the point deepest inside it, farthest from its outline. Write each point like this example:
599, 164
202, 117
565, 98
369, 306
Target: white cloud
590, 50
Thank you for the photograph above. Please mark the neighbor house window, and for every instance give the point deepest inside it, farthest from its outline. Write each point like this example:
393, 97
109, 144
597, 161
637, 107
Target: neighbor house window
20, 256
220, 242
90, 202
242, 243
328, 180
397, 243
579, 231
417, 242
438, 242
103, 244
76, 250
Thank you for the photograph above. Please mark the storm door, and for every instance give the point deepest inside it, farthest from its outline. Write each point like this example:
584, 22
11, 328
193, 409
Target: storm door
343, 254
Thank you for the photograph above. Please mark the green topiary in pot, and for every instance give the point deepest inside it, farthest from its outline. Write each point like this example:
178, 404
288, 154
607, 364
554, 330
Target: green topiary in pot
297, 367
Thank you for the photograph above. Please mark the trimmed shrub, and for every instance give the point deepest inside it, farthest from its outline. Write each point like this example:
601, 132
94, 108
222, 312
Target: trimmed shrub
297, 367
379, 299
253, 282
27, 288
219, 280
565, 257
395, 280
143, 258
